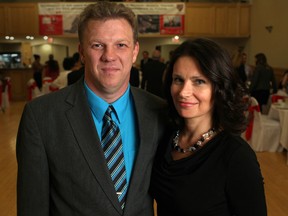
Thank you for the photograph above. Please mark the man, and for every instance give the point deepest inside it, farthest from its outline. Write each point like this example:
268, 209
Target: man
37, 70
77, 71
153, 77
143, 63
244, 70
62, 167
52, 68
145, 59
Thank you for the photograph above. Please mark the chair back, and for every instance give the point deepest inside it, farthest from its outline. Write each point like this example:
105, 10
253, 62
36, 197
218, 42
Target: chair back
8, 88
275, 98
253, 113
33, 90
46, 85
255, 109
1, 95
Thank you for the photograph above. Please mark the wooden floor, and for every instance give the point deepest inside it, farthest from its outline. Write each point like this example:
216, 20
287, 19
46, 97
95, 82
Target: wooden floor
273, 166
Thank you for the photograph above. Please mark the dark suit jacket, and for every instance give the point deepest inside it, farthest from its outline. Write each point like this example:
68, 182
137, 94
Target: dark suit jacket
153, 77
134, 77
143, 71
61, 166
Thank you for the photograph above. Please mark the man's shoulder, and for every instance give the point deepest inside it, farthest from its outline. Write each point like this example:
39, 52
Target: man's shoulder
148, 98
56, 97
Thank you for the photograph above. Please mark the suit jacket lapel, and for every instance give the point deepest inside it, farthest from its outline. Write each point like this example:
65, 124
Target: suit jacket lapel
85, 132
147, 132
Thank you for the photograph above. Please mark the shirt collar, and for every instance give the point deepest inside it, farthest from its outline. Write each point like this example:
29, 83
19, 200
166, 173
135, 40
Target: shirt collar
99, 106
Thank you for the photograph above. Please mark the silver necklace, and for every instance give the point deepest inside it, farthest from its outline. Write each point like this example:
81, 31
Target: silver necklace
195, 146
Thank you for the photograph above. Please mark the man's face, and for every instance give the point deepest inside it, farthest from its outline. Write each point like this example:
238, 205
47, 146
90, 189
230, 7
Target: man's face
108, 52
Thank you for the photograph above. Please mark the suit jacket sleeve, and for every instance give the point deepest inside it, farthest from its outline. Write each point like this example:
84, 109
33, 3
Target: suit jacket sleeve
33, 169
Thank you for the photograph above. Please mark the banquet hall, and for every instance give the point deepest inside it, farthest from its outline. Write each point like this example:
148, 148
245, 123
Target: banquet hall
249, 26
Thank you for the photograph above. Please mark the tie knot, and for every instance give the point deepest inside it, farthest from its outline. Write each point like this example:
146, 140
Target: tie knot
108, 112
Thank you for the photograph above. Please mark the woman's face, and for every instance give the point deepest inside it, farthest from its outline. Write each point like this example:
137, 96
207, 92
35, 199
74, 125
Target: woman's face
191, 90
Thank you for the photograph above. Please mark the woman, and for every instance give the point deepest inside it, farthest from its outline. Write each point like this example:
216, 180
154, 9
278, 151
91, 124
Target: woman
203, 167
262, 79
283, 85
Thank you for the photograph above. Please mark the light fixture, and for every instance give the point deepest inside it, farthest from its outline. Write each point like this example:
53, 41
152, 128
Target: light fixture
29, 37
269, 28
176, 39
7, 37
50, 40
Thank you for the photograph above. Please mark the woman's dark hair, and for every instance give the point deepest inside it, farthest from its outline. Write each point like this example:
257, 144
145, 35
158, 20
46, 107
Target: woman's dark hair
261, 59
227, 91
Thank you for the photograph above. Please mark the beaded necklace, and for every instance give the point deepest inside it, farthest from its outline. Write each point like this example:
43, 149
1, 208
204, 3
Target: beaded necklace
195, 146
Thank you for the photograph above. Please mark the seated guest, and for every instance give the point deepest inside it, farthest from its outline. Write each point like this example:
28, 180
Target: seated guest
75, 75
61, 80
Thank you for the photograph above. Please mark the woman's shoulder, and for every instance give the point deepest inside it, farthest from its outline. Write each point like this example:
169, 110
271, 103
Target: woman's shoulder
235, 146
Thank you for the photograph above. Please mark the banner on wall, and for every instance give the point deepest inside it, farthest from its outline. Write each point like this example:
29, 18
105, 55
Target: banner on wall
153, 18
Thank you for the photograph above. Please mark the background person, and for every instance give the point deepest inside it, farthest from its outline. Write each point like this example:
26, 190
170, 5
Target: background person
70, 64
263, 80
134, 77
244, 70
204, 167
143, 63
52, 67
62, 169
153, 77
283, 84
37, 70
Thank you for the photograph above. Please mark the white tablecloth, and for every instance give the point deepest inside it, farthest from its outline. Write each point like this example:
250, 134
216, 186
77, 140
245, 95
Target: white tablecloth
281, 113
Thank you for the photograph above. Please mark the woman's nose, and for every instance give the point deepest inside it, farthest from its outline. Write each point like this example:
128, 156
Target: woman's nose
186, 90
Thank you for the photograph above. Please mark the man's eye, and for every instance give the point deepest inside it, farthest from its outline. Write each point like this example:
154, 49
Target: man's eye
121, 45
97, 46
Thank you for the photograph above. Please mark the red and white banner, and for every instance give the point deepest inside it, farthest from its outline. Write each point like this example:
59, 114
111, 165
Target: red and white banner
153, 17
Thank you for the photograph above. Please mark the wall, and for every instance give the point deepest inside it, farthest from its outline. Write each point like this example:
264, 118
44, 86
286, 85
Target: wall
275, 44
263, 13
149, 44
120, 1
43, 48
10, 47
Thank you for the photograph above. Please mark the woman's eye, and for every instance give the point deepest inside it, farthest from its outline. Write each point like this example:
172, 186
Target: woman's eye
199, 81
177, 80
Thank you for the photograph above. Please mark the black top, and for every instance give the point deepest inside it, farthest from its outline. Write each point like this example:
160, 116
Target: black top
263, 77
221, 179
242, 73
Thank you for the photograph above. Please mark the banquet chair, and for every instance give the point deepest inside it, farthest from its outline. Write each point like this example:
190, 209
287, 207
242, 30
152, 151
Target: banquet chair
275, 98
265, 131
33, 90
6, 93
53, 88
1, 87
46, 85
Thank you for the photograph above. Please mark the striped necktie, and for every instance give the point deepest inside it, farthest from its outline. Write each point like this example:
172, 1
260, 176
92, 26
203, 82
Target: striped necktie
112, 147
